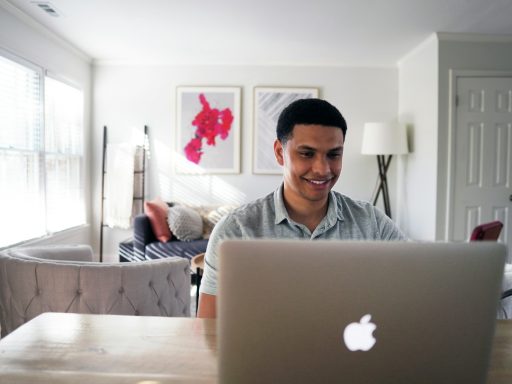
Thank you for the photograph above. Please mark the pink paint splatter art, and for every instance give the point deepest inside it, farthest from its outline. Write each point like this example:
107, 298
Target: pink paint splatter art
209, 124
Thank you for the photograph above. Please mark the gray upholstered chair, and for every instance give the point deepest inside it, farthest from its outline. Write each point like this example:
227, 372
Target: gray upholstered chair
63, 279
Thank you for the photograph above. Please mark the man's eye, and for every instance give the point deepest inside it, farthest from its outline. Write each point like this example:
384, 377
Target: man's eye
334, 155
306, 154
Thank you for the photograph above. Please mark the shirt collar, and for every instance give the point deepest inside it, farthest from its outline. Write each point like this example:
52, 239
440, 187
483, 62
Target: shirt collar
281, 212
333, 211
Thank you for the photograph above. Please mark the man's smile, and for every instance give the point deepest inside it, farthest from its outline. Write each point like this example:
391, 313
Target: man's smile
318, 181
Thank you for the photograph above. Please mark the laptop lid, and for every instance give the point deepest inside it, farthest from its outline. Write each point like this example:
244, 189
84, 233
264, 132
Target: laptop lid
357, 312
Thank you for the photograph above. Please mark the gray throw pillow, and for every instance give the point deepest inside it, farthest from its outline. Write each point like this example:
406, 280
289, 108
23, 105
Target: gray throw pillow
185, 223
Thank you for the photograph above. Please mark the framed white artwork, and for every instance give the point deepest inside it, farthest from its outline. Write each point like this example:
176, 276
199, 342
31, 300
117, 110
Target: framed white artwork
268, 105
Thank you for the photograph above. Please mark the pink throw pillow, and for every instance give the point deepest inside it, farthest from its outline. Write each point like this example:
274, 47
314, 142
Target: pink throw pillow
157, 212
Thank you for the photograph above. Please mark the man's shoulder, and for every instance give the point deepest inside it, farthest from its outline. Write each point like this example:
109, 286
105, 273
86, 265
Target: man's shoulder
249, 215
254, 208
367, 221
348, 204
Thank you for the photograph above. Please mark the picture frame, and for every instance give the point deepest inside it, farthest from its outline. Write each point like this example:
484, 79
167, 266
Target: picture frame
268, 105
208, 130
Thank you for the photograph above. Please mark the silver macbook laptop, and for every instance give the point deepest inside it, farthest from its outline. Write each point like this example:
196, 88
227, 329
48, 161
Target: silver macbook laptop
357, 312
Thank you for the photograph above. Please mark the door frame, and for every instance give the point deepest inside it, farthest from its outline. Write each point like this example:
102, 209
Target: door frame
454, 75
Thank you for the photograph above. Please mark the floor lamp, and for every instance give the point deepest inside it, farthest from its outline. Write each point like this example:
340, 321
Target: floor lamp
384, 140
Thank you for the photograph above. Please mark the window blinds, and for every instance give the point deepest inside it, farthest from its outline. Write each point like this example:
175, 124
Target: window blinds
21, 195
41, 182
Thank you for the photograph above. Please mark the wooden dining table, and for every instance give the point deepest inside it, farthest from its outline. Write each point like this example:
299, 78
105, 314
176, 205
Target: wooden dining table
73, 348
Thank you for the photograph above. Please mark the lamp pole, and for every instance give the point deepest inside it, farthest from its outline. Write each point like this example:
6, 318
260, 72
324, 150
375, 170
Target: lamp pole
384, 140
383, 163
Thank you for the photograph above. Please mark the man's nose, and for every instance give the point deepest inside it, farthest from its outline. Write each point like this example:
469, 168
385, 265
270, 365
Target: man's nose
321, 165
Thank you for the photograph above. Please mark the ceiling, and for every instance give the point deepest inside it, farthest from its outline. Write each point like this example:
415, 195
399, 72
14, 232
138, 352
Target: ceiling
374, 33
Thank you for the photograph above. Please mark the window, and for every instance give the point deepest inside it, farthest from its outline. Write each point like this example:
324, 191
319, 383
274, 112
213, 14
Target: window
41, 154
63, 155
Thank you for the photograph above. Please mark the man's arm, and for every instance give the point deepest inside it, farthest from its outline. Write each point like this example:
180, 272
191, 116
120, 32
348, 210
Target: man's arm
388, 228
207, 306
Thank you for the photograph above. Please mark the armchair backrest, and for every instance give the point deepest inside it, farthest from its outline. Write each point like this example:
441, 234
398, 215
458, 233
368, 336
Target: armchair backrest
30, 286
76, 252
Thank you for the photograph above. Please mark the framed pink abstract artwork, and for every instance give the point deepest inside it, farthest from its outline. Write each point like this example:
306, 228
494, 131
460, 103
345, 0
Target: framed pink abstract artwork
208, 130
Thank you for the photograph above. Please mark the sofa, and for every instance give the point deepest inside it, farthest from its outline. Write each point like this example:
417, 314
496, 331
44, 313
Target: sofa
171, 229
147, 247
64, 279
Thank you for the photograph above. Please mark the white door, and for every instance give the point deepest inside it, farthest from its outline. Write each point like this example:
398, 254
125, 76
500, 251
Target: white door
483, 155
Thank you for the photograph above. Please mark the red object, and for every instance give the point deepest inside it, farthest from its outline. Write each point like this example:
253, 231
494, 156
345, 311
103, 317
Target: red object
157, 213
487, 231
210, 123
193, 150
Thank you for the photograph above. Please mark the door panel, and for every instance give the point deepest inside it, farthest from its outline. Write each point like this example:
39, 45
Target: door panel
483, 155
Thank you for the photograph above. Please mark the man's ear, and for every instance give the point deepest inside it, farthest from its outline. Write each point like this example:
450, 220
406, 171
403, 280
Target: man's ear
279, 152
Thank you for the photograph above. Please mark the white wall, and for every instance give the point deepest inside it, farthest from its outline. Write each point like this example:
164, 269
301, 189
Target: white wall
417, 106
424, 104
132, 96
22, 37
461, 52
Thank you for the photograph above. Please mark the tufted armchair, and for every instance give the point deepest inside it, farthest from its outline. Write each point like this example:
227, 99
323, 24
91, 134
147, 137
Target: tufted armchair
32, 281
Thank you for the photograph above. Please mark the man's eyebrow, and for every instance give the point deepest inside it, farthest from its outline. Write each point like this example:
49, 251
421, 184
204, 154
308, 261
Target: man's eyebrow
306, 147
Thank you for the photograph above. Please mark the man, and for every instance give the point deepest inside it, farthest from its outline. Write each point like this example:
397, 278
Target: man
309, 147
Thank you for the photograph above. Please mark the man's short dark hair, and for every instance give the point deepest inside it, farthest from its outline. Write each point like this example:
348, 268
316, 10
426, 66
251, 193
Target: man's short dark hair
308, 111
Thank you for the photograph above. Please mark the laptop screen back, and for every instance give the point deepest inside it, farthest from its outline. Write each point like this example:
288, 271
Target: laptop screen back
357, 312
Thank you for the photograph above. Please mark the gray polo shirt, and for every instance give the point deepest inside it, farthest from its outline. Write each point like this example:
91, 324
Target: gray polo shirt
346, 219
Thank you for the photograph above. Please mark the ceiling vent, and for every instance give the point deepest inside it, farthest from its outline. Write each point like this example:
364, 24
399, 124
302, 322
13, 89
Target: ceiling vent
47, 7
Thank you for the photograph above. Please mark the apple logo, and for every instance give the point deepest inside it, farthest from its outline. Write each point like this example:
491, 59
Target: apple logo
358, 336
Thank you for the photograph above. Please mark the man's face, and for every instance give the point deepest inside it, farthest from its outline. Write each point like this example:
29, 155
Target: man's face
312, 162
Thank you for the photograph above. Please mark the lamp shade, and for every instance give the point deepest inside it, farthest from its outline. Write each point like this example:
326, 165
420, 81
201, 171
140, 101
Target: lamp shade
384, 139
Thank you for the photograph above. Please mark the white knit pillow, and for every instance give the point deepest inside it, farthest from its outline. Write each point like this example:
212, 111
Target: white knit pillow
216, 214
185, 223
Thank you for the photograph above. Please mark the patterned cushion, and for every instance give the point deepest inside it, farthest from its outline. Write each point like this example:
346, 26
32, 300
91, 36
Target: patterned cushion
211, 214
215, 215
185, 223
